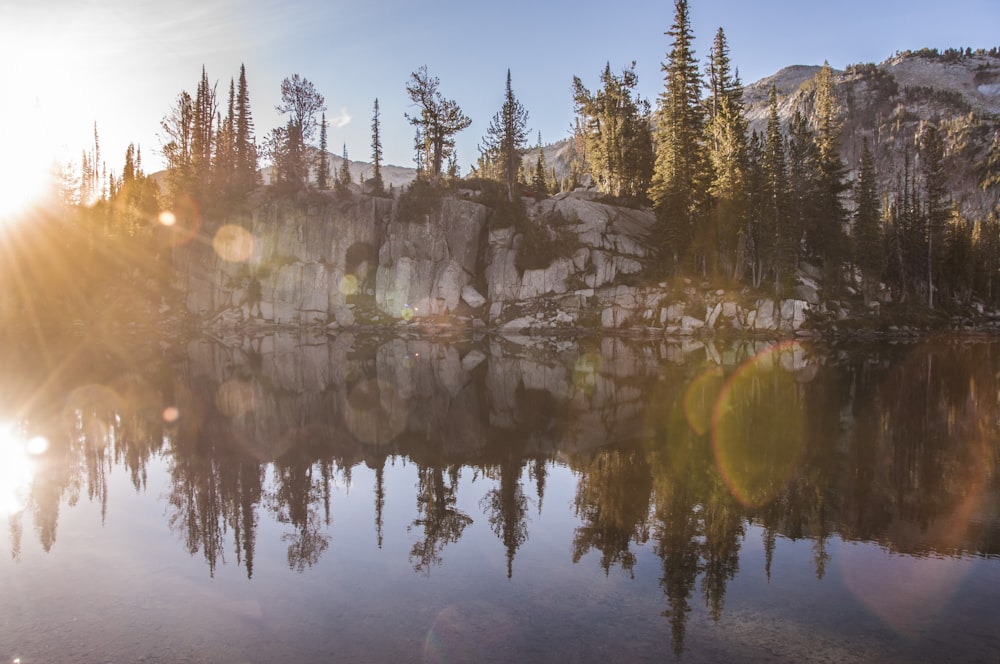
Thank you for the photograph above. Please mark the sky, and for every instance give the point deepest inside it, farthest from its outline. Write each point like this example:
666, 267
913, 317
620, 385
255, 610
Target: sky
70, 63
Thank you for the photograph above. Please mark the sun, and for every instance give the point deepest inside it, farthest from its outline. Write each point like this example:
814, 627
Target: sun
26, 164
17, 467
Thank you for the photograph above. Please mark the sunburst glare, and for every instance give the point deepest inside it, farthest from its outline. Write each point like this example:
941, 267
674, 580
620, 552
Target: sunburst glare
17, 467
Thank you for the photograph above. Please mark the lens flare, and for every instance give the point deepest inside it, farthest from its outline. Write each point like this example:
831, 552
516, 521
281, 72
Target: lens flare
586, 371
758, 428
348, 285
37, 446
236, 398
700, 398
408, 313
376, 413
182, 224
233, 244
906, 592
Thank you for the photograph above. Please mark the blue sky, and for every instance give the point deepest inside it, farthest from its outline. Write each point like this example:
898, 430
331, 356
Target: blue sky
69, 63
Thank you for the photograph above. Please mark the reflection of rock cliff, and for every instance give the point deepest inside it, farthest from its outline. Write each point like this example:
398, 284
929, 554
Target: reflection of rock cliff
325, 261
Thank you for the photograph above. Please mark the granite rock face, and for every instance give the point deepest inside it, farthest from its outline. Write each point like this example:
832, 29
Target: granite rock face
313, 261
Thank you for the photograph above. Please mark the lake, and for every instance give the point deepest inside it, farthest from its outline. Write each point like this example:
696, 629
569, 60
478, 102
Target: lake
302, 498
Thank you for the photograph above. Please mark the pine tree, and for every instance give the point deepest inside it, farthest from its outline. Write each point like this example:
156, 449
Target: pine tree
246, 146
936, 204
827, 238
436, 125
679, 188
802, 174
989, 169
377, 185
957, 266
776, 251
300, 101
726, 134
506, 139
178, 132
343, 184
539, 182
323, 168
614, 127
224, 165
868, 248
202, 140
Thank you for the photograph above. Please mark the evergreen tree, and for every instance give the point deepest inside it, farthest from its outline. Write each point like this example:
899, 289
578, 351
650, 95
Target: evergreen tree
679, 188
989, 169
958, 270
506, 139
246, 146
827, 239
776, 251
436, 125
343, 184
202, 140
726, 134
987, 248
539, 181
377, 185
323, 167
802, 175
614, 126
177, 149
224, 164
746, 247
936, 204
300, 101
868, 251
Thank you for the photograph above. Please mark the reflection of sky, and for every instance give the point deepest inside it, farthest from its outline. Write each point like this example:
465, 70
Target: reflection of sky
130, 580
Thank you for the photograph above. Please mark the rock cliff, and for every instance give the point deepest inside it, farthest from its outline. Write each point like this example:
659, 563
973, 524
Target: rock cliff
320, 260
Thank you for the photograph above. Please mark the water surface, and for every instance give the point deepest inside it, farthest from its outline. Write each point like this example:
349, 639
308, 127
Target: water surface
310, 499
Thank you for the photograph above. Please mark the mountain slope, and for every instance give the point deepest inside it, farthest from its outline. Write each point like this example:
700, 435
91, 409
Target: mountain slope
889, 104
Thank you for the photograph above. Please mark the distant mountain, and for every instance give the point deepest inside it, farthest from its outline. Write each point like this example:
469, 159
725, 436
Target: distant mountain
891, 102
392, 176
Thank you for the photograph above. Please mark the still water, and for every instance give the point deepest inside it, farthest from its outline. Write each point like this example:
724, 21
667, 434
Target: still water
310, 499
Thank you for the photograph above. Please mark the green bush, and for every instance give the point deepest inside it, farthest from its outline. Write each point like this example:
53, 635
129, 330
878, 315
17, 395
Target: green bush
420, 199
544, 240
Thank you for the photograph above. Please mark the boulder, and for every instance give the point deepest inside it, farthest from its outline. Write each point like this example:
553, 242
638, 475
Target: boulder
472, 297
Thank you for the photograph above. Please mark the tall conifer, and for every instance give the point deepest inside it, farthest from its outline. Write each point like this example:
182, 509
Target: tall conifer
246, 146
680, 176
868, 248
827, 237
726, 134
377, 185
323, 167
506, 139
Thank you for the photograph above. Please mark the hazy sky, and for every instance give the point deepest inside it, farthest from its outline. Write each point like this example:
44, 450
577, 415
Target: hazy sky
69, 63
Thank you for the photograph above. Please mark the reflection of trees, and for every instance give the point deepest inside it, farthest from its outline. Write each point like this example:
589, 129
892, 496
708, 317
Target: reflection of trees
441, 522
895, 446
212, 491
98, 427
612, 502
506, 508
215, 486
927, 448
302, 498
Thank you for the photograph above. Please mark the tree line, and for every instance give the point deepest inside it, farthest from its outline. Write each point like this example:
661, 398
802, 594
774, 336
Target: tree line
730, 203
